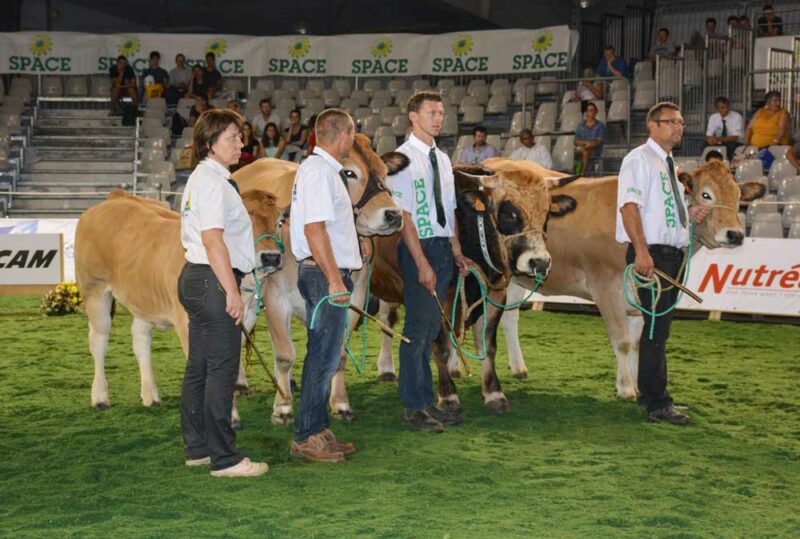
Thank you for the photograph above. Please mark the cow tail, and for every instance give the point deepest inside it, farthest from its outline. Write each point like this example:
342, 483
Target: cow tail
113, 307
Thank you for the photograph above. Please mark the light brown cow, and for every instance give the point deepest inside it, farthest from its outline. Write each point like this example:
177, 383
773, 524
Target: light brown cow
377, 215
129, 249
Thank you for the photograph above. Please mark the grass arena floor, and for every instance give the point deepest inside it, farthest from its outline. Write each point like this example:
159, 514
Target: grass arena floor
570, 460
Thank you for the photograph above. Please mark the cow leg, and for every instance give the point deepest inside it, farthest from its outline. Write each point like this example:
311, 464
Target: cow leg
388, 315
453, 364
510, 323
448, 398
635, 328
279, 324
142, 333
339, 401
98, 310
493, 396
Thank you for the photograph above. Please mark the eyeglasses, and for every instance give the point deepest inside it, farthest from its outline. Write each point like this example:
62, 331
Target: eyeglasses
672, 122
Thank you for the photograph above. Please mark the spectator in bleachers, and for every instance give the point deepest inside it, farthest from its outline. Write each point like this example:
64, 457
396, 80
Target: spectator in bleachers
197, 86
725, 127
769, 24
123, 83
733, 22
212, 78
589, 90
744, 22
714, 155
272, 142
312, 135
265, 116
155, 78
180, 76
252, 148
529, 151
589, 137
611, 65
480, 150
663, 46
296, 136
199, 107
770, 124
234, 105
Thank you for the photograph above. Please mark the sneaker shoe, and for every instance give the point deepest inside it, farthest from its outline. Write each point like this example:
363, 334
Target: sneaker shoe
420, 420
445, 418
336, 446
205, 461
315, 448
245, 468
668, 414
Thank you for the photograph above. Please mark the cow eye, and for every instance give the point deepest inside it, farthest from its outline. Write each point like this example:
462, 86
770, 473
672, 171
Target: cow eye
706, 196
509, 220
350, 174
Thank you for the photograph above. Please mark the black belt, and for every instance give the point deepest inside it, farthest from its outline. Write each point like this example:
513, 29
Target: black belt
665, 250
236, 272
311, 262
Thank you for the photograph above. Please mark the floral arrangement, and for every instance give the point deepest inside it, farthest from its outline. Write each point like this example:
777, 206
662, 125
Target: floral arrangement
63, 299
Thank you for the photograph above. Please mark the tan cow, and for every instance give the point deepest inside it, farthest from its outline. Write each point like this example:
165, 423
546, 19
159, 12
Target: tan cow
128, 248
376, 214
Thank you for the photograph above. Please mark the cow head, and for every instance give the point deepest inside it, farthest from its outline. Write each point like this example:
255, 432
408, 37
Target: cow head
712, 185
267, 219
376, 212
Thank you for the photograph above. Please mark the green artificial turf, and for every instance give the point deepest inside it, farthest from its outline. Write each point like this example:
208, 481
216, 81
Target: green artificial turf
569, 460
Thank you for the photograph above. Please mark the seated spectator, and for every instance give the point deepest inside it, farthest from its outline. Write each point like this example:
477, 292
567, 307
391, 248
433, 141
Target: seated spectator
714, 155
252, 148
212, 78
199, 107
769, 24
123, 83
179, 78
312, 135
265, 116
234, 105
611, 65
663, 46
197, 85
769, 125
272, 141
733, 22
531, 152
155, 78
744, 22
589, 90
480, 150
725, 127
296, 136
589, 137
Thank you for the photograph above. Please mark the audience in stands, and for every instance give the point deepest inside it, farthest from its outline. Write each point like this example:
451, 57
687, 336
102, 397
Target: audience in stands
272, 142
155, 78
312, 135
212, 78
123, 83
199, 107
529, 151
663, 46
233, 104
792, 154
589, 90
296, 136
744, 22
769, 125
714, 155
197, 86
611, 65
252, 148
180, 76
725, 127
733, 22
769, 24
589, 137
265, 116
480, 150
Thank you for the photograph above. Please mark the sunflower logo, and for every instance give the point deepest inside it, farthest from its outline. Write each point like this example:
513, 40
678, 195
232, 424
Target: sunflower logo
129, 46
300, 48
382, 48
543, 41
216, 46
462, 45
41, 44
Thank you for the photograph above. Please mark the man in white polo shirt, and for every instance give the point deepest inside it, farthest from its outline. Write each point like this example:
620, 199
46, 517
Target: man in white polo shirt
324, 241
725, 127
427, 254
653, 219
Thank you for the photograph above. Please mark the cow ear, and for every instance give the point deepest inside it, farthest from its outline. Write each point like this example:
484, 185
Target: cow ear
285, 213
491, 182
562, 205
752, 191
687, 181
395, 162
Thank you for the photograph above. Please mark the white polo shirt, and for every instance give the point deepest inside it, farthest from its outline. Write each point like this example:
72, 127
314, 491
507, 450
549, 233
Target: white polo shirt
535, 154
259, 123
733, 121
644, 180
319, 195
412, 189
209, 201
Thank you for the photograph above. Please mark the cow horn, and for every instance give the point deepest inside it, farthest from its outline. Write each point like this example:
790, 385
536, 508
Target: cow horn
485, 181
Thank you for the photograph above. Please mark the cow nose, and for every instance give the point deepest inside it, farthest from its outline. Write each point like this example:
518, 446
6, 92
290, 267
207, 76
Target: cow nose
270, 260
393, 217
539, 266
735, 237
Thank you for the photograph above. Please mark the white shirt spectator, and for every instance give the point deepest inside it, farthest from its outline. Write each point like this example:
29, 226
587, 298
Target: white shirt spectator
259, 123
179, 75
319, 195
644, 180
733, 121
412, 189
208, 202
535, 154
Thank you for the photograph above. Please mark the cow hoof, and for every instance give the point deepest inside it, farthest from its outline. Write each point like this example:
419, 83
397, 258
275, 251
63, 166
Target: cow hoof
101, 406
236, 424
451, 407
626, 395
387, 377
346, 416
155, 404
283, 420
243, 390
520, 375
499, 406
455, 375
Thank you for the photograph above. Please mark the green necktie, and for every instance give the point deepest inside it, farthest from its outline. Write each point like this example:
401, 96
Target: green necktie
724, 129
675, 192
437, 188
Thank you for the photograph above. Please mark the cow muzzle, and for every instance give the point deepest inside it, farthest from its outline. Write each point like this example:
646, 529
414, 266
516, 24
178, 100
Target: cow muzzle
271, 261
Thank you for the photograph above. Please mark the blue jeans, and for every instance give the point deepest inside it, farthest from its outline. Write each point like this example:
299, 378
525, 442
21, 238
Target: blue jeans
422, 321
323, 350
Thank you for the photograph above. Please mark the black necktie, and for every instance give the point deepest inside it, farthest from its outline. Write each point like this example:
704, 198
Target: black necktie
437, 188
675, 192
234, 184
724, 128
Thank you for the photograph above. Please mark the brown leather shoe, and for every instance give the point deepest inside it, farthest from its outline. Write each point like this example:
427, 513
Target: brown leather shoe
315, 448
334, 445
420, 420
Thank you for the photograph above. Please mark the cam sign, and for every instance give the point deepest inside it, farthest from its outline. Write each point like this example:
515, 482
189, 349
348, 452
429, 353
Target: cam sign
30, 259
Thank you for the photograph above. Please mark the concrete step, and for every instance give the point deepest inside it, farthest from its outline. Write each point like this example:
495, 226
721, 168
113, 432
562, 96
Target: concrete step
82, 142
75, 113
76, 177
79, 166
31, 188
55, 121
23, 213
60, 153
70, 130
75, 203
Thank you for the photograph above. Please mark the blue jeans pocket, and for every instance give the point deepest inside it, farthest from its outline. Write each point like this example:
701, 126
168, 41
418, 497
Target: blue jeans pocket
192, 292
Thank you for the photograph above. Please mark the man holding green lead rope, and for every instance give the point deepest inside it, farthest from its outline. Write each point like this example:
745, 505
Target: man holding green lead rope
653, 219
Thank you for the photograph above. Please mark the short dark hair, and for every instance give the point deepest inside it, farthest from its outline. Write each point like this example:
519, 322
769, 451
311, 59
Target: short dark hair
265, 100
771, 94
211, 55
654, 114
180, 55
767, 7
711, 19
478, 129
609, 48
526, 131
415, 101
331, 122
744, 17
721, 99
121, 57
155, 54
714, 154
210, 125
662, 29
591, 104
733, 18
295, 111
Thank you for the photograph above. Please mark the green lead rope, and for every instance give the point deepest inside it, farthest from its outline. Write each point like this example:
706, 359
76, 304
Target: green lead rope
259, 294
